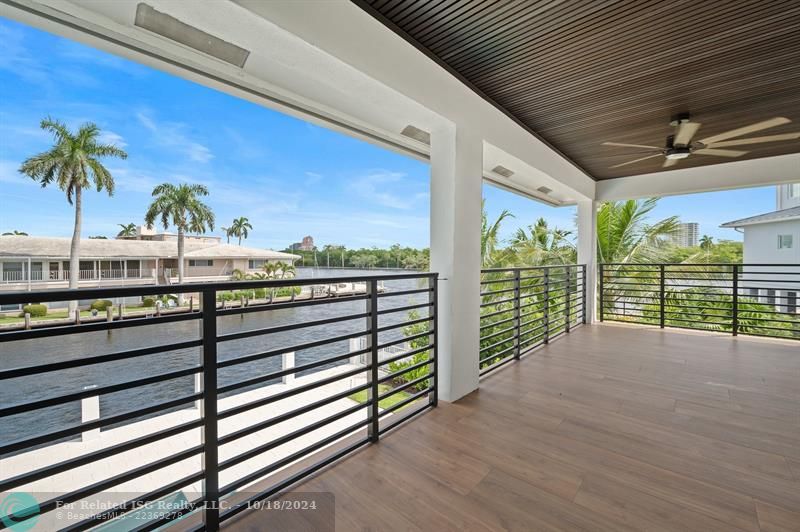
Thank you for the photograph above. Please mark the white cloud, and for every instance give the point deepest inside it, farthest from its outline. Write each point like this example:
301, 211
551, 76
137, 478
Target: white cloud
312, 178
374, 187
109, 137
171, 135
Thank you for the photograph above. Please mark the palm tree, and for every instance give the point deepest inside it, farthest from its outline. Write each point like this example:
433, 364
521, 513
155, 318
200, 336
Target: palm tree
287, 270
239, 228
180, 206
542, 245
227, 231
73, 164
127, 231
490, 239
706, 242
15, 233
623, 234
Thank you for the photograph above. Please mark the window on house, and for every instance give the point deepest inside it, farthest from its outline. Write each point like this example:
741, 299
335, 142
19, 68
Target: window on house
791, 302
794, 190
201, 262
770, 297
784, 241
255, 264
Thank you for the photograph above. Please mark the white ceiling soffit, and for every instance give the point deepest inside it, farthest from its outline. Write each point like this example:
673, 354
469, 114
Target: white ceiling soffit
739, 174
289, 75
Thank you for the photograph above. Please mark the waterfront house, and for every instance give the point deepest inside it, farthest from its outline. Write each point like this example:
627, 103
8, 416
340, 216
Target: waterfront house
774, 238
40, 263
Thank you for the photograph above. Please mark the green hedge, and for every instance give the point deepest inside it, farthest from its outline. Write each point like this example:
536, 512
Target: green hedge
36, 310
148, 302
101, 304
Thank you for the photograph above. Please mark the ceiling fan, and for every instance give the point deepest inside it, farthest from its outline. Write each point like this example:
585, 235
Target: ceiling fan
680, 145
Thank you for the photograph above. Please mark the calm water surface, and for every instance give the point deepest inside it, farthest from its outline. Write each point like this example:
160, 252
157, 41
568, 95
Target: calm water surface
74, 346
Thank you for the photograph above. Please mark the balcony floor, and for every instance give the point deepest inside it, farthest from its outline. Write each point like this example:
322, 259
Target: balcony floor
609, 428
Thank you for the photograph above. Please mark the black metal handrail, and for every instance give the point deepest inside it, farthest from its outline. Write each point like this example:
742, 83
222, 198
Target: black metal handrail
414, 369
750, 299
524, 308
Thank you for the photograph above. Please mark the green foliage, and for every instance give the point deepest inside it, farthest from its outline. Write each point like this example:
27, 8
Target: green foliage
36, 310
100, 305
417, 343
148, 302
337, 257
180, 206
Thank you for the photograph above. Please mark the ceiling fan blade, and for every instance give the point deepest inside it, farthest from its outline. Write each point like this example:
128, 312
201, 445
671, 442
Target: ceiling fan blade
669, 162
746, 130
756, 140
686, 130
636, 160
631, 145
719, 153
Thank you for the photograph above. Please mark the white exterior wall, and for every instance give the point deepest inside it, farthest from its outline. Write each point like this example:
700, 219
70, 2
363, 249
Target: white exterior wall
761, 243
788, 196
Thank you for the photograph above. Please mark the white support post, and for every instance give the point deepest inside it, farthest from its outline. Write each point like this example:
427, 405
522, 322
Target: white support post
456, 192
587, 253
90, 411
287, 361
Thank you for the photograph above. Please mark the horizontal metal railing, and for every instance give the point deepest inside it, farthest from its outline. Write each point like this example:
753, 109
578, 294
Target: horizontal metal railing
524, 308
391, 385
751, 299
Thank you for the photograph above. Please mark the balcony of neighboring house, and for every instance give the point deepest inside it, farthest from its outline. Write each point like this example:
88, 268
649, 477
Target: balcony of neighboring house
39, 274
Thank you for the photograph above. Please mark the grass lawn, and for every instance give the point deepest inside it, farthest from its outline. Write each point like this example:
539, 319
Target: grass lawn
62, 314
363, 397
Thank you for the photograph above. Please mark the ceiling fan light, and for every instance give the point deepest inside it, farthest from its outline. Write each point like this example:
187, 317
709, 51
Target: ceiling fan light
678, 153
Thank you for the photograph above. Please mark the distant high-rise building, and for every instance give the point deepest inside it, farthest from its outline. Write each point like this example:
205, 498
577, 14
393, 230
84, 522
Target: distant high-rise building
306, 245
687, 234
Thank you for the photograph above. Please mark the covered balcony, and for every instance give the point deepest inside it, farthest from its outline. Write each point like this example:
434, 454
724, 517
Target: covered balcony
587, 396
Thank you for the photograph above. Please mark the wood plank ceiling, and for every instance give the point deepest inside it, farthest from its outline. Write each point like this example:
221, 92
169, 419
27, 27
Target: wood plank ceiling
581, 72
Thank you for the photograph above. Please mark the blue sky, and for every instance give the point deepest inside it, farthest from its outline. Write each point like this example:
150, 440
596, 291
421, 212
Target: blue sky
290, 178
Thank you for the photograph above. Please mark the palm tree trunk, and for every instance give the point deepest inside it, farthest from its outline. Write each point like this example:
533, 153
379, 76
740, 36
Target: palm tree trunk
240, 240
180, 263
74, 253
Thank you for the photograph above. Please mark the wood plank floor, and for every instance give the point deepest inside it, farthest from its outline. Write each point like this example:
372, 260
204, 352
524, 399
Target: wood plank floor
609, 428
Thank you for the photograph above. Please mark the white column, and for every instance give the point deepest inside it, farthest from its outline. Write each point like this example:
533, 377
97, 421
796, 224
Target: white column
287, 362
587, 253
456, 179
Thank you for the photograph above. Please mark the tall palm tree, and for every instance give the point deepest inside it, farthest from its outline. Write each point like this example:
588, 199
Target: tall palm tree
228, 233
239, 228
623, 234
15, 233
127, 231
73, 164
541, 245
490, 256
180, 206
706, 242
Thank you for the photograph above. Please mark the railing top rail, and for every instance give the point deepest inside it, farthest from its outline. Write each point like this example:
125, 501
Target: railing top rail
522, 268
14, 297
696, 264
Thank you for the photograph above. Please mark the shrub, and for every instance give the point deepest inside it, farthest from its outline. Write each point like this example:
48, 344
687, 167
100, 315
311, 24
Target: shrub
100, 305
148, 302
36, 310
285, 291
225, 296
260, 293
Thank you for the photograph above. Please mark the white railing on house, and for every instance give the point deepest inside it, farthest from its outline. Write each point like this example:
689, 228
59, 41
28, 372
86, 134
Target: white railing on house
83, 275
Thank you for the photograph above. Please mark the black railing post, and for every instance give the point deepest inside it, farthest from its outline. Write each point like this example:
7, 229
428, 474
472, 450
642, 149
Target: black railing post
567, 297
434, 352
662, 295
516, 312
546, 309
372, 321
735, 300
583, 294
602, 290
208, 304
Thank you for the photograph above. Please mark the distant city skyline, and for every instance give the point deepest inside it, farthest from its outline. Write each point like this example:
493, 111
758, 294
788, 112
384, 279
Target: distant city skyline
289, 177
